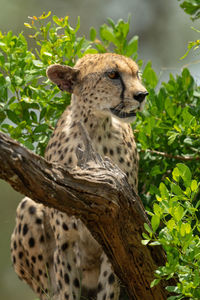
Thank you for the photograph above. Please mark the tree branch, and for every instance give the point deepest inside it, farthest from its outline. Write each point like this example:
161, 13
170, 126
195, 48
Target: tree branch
177, 157
98, 193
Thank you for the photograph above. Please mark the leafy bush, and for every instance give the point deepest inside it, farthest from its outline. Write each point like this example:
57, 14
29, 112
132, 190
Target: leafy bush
172, 128
175, 220
167, 132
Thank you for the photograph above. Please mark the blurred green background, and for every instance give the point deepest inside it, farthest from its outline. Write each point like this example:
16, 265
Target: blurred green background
163, 30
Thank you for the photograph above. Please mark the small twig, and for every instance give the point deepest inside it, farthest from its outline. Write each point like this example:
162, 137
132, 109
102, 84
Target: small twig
178, 157
17, 94
51, 127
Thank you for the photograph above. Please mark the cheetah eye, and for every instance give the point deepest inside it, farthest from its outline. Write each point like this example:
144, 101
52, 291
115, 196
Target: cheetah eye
113, 75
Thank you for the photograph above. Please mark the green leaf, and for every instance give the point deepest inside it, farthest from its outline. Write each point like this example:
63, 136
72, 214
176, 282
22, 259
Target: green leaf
77, 25
18, 80
132, 46
155, 243
111, 22
2, 116
27, 25
47, 54
123, 28
156, 170
174, 298
2, 58
38, 63
147, 228
57, 20
185, 229
185, 173
176, 189
29, 145
44, 15
169, 107
155, 222
143, 140
194, 186
171, 289
145, 236
145, 242
149, 76
155, 282
106, 33
191, 7
187, 117
157, 209
172, 137
178, 213
41, 128
171, 224
101, 48
176, 174
197, 256
92, 33
13, 117
164, 191
33, 116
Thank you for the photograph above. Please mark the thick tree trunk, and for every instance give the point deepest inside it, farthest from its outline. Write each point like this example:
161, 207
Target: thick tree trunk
98, 193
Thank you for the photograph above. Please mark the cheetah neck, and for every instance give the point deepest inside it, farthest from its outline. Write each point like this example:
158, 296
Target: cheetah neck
99, 124
95, 122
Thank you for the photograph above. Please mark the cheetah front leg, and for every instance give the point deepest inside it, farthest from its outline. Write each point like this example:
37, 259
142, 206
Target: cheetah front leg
67, 274
108, 284
32, 248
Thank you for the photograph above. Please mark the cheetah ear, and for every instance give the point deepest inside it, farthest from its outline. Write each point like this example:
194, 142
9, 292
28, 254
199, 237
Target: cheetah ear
64, 77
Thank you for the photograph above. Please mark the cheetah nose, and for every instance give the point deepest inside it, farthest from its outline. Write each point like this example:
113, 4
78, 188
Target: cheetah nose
140, 96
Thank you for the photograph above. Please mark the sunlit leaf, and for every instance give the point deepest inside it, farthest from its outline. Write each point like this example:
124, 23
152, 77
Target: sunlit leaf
27, 25
154, 282
155, 222
163, 190
92, 33
185, 173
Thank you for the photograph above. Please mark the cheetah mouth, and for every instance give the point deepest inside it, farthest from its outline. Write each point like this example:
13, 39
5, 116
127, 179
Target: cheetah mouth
123, 115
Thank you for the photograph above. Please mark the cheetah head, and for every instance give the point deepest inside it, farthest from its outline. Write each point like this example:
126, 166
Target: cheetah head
110, 83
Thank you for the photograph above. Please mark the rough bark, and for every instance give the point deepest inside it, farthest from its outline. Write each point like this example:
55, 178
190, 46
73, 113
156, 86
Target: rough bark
98, 193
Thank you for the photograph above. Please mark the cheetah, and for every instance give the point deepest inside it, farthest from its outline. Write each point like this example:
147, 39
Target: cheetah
51, 251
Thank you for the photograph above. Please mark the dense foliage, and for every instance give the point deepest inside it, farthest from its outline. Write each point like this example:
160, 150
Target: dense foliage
177, 208
167, 132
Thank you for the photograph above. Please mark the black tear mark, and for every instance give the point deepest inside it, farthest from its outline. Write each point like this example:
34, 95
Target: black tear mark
123, 88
